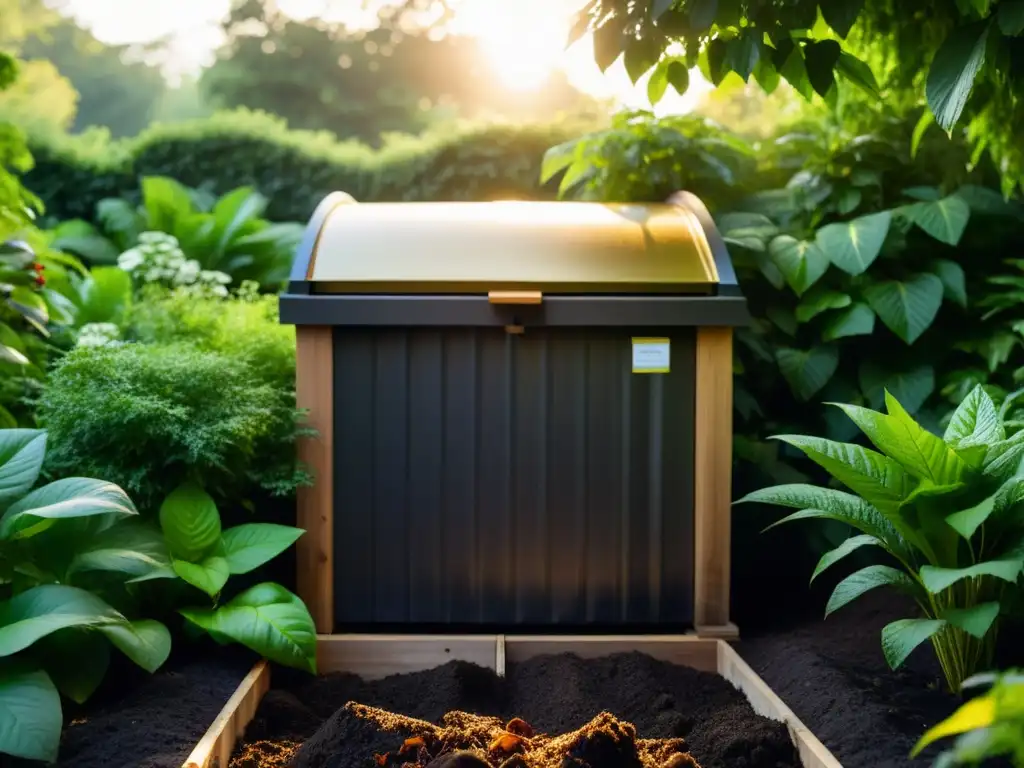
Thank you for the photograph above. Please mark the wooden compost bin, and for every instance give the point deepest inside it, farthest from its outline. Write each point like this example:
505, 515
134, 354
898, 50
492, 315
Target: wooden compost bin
376, 656
524, 414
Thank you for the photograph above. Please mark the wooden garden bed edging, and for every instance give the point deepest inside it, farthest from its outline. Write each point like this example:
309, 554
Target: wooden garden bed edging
376, 656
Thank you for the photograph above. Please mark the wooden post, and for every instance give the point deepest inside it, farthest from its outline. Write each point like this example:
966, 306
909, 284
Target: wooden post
314, 385
713, 483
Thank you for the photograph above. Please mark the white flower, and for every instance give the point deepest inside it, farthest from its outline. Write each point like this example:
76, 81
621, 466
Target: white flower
130, 260
98, 335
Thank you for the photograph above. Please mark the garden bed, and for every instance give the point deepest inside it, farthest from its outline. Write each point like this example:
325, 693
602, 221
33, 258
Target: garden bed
832, 673
671, 701
151, 721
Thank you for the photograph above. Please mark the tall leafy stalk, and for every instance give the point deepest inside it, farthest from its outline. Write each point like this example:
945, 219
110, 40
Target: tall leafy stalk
947, 512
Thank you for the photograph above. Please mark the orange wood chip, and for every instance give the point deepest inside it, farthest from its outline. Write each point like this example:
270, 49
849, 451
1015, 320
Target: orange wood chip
410, 744
506, 743
519, 727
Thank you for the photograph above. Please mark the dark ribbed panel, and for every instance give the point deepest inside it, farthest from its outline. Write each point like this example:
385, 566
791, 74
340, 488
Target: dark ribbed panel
498, 480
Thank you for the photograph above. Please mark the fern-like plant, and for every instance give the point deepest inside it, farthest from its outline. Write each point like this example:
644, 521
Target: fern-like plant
947, 512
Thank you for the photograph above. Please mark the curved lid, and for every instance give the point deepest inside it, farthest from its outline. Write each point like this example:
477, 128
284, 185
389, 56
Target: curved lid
556, 247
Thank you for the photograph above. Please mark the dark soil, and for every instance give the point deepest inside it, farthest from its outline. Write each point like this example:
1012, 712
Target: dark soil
556, 695
832, 674
152, 721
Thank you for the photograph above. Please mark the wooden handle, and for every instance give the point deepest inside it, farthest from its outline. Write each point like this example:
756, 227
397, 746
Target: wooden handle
515, 297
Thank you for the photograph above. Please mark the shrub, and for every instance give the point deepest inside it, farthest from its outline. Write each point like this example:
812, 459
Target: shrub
294, 169
148, 416
948, 512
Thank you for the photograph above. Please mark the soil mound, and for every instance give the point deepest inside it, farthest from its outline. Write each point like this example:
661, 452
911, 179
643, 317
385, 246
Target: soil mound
360, 736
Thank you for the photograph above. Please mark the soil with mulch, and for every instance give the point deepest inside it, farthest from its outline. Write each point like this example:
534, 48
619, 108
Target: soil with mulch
622, 711
832, 674
152, 721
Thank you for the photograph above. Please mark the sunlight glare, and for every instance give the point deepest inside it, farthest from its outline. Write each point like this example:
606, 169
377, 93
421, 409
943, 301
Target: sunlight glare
523, 41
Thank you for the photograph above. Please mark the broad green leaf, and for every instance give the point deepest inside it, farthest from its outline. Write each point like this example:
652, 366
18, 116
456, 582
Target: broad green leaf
911, 387
21, 459
268, 619
976, 714
825, 503
64, 499
967, 521
45, 609
31, 306
807, 371
1003, 458
30, 715
83, 239
657, 83
937, 579
104, 296
608, 40
976, 620
801, 262
232, 213
921, 449
743, 53
1010, 15
166, 202
864, 580
841, 15
129, 548
816, 302
879, 479
852, 544
641, 54
146, 642
953, 70
249, 546
944, 219
659, 7
857, 72
854, 245
702, 14
783, 320
857, 320
821, 57
557, 159
12, 355
210, 574
954, 282
908, 308
76, 661
190, 522
900, 638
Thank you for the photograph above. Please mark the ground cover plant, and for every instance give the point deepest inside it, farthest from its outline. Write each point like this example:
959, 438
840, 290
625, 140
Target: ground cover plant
946, 511
67, 551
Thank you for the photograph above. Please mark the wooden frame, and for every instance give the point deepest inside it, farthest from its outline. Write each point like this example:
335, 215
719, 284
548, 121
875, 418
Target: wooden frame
314, 378
712, 509
376, 656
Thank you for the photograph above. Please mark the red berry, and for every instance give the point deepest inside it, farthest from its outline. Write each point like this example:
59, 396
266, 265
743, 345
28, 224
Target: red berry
37, 266
40, 280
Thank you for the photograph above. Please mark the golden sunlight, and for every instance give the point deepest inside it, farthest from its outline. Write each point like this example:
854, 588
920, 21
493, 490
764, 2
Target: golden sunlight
524, 42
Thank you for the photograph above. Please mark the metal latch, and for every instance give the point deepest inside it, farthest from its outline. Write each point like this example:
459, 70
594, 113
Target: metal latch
515, 297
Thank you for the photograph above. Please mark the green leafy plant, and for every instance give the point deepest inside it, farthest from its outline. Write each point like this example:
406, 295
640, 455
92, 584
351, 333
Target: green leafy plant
58, 544
991, 725
956, 56
948, 512
266, 618
149, 416
224, 235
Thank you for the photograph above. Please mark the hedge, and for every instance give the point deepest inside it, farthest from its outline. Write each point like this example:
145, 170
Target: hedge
295, 169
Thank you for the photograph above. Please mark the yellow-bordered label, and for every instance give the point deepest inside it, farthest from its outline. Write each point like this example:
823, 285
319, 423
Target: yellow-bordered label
651, 355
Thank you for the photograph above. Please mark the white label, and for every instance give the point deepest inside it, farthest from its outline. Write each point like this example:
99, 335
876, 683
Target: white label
651, 355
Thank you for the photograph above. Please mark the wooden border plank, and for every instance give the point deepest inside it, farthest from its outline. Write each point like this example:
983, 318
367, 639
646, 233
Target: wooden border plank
699, 653
766, 702
214, 749
712, 479
376, 656
314, 380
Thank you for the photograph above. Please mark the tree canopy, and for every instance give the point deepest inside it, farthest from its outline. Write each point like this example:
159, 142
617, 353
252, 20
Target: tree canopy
965, 58
400, 76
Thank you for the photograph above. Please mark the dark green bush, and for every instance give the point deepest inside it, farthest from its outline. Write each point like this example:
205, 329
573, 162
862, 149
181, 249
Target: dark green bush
151, 416
295, 169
